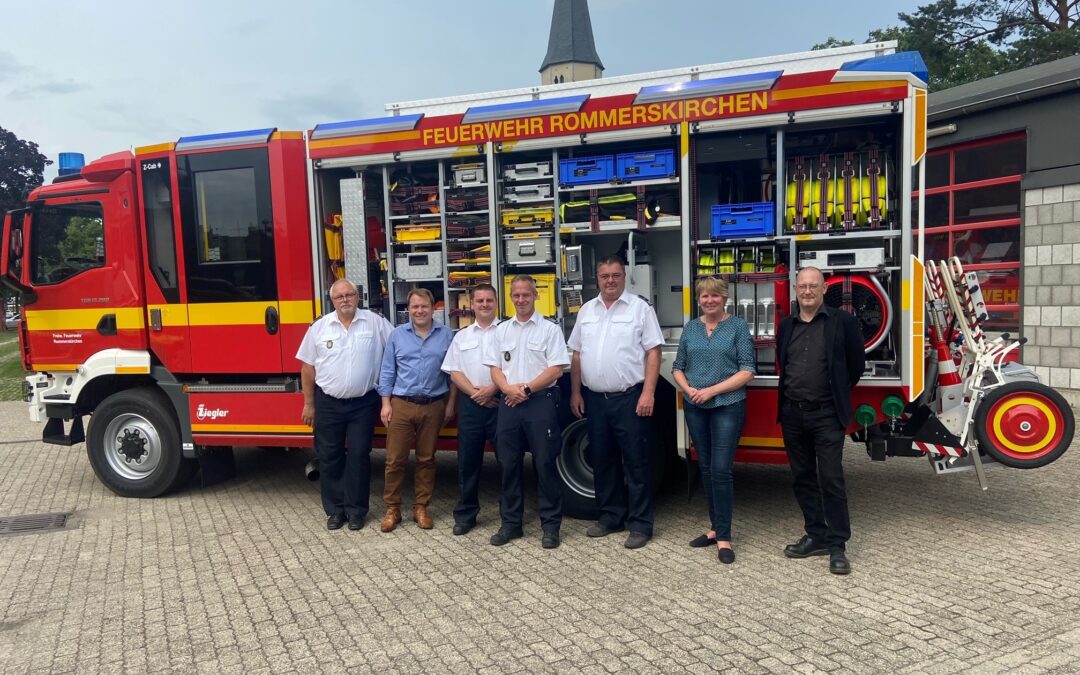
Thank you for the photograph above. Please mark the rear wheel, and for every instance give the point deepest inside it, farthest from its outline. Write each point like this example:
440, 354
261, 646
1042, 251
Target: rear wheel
1024, 425
576, 473
133, 443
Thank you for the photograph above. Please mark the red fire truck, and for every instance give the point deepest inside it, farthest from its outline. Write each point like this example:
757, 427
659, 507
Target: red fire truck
166, 290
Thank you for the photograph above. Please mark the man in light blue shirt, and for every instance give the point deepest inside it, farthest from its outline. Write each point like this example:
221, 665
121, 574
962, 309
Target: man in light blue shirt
415, 406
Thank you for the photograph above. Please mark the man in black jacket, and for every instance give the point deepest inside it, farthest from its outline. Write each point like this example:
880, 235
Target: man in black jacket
821, 358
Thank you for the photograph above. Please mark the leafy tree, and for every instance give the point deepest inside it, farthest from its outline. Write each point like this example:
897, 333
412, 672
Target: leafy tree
22, 167
967, 41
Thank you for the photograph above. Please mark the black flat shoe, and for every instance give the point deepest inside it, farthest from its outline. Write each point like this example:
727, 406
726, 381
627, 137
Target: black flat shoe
504, 536
726, 555
335, 522
550, 539
461, 528
702, 540
356, 523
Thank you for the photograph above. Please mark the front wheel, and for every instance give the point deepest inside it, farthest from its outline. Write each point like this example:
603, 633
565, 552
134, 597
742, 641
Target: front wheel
1024, 425
133, 443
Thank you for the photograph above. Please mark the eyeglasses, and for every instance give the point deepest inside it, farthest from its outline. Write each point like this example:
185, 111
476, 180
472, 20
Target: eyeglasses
612, 277
807, 287
344, 296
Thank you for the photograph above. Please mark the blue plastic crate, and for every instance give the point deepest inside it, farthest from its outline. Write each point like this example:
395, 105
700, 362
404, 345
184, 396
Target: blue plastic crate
752, 219
585, 170
641, 165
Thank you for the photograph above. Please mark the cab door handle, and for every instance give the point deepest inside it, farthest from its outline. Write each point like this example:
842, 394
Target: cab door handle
271, 320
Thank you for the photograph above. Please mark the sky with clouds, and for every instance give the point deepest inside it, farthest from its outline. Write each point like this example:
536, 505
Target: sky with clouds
98, 77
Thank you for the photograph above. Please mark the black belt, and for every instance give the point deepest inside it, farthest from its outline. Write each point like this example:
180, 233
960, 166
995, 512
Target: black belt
616, 394
808, 405
419, 400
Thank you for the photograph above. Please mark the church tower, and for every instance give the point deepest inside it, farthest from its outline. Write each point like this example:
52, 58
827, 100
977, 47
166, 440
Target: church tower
571, 54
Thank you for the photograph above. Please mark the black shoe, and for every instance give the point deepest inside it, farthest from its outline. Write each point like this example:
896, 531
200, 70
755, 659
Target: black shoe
702, 540
601, 530
726, 555
461, 528
551, 539
335, 522
804, 548
838, 563
504, 536
356, 523
637, 540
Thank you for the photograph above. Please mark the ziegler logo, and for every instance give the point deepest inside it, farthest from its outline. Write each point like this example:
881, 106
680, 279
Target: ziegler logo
204, 413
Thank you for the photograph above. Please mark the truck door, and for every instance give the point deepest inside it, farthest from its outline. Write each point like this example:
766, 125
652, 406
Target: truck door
230, 277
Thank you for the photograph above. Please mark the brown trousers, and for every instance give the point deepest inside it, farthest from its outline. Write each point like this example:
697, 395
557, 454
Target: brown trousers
412, 426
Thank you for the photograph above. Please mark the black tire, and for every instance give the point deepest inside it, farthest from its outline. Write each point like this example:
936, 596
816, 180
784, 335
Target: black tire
133, 444
1024, 425
576, 473
578, 479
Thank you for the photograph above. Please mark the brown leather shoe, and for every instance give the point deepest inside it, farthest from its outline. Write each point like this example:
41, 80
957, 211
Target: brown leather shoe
391, 519
420, 515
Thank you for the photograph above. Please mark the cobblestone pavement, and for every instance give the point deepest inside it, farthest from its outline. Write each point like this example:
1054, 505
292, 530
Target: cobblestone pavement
244, 577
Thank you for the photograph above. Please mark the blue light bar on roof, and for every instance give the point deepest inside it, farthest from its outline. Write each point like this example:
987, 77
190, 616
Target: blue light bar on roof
374, 125
226, 140
734, 84
898, 63
505, 111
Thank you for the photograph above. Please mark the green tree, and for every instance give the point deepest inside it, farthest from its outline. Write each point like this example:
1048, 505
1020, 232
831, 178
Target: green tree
967, 41
22, 167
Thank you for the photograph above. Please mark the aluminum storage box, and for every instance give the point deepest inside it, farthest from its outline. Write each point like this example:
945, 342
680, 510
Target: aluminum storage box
533, 249
419, 265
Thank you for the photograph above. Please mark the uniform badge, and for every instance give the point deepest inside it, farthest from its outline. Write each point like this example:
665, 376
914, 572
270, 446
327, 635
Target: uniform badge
506, 356
329, 344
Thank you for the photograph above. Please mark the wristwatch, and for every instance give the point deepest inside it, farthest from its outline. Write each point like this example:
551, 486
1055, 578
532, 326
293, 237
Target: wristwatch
528, 390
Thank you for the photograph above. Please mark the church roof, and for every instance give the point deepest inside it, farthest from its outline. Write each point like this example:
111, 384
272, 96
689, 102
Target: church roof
571, 37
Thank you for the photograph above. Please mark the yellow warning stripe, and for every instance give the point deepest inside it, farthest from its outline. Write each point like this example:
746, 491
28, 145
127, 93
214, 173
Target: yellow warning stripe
127, 318
253, 428
367, 138
761, 442
54, 367
132, 370
287, 135
837, 88
154, 149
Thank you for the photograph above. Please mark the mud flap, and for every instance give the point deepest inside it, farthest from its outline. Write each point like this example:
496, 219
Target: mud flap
216, 464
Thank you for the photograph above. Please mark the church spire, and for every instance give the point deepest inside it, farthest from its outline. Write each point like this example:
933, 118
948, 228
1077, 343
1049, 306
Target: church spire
571, 54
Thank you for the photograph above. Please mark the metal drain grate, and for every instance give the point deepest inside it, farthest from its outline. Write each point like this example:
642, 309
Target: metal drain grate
33, 522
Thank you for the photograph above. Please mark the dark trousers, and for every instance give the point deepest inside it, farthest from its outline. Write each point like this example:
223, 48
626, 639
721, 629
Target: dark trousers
715, 433
620, 456
476, 426
534, 426
345, 472
815, 442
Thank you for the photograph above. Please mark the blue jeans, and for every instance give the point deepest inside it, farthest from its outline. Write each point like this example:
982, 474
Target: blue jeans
715, 434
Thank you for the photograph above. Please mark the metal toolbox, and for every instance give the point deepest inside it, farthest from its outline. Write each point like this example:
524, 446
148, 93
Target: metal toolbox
527, 192
526, 170
843, 259
419, 265
474, 173
532, 249
528, 217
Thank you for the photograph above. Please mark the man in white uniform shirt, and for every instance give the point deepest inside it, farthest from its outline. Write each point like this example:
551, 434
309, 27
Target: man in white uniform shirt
616, 355
341, 353
527, 357
478, 406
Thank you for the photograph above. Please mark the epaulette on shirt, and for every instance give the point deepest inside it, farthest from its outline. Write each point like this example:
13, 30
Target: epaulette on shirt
647, 301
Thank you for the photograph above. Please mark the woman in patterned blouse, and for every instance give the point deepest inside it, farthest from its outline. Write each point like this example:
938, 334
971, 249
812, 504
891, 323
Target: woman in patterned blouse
714, 363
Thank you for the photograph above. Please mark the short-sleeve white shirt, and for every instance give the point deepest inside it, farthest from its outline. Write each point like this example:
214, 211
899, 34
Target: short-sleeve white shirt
346, 361
612, 342
466, 353
523, 350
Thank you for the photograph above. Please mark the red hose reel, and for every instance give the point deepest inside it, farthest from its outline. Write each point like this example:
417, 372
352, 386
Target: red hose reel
863, 296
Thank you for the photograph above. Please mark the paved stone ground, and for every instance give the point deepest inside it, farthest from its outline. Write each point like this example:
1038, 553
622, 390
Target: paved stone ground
243, 577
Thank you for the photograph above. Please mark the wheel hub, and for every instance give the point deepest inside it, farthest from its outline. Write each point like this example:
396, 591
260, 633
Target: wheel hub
132, 445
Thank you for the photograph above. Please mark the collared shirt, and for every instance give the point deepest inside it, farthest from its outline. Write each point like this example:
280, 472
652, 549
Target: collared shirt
708, 359
345, 360
613, 340
466, 354
806, 376
410, 364
523, 350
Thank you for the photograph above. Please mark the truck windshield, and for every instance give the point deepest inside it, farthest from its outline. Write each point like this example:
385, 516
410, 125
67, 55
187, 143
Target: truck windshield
66, 239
